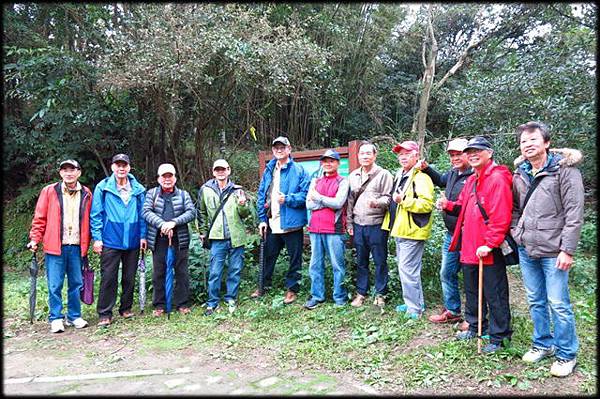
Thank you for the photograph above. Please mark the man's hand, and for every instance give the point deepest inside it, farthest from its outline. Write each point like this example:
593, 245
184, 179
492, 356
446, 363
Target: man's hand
483, 251
441, 203
564, 261
32, 245
373, 204
397, 198
241, 198
281, 198
262, 229
166, 226
350, 230
144, 244
98, 247
421, 164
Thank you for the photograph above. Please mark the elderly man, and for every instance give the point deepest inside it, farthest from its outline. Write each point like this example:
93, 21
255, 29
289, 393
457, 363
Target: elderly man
326, 200
453, 182
222, 206
477, 237
546, 224
169, 209
62, 224
281, 206
119, 231
409, 220
368, 201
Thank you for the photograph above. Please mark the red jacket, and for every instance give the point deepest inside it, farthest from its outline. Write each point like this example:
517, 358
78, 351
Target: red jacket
494, 189
47, 225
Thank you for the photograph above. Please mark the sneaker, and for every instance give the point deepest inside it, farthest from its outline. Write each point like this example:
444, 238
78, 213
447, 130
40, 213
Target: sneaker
445, 317
77, 323
128, 314
358, 301
563, 367
184, 310
158, 312
465, 335
535, 354
404, 307
104, 322
339, 304
379, 301
413, 316
56, 326
491, 348
311, 304
209, 311
231, 306
290, 297
464, 326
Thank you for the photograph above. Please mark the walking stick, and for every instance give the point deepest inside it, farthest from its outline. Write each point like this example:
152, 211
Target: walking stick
479, 305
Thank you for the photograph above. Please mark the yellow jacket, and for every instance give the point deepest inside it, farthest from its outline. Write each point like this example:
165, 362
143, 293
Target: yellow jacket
412, 218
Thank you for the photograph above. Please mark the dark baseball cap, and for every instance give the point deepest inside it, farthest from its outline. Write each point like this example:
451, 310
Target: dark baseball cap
120, 157
331, 154
70, 162
281, 139
479, 143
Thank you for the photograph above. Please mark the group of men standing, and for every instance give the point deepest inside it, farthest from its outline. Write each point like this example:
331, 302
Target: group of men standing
540, 204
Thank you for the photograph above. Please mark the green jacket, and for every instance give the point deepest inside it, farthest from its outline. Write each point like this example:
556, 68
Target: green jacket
209, 199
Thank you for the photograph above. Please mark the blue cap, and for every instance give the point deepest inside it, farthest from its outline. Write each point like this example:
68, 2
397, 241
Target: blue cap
331, 154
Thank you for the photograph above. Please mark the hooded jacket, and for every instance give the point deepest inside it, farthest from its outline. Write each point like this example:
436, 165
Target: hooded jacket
412, 218
117, 225
47, 224
553, 217
495, 196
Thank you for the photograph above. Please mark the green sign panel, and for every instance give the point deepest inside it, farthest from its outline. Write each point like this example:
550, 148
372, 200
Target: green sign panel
314, 166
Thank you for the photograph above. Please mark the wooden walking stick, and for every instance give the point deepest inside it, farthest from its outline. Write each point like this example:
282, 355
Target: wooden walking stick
479, 305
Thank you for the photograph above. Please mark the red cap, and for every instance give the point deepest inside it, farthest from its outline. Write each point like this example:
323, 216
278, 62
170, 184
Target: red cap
407, 145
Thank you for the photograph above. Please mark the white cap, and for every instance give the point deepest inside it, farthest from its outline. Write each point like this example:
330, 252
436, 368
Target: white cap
166, 168
457, 145
220, 163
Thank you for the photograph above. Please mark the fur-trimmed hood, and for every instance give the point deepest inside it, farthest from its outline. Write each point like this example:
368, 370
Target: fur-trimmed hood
568, 157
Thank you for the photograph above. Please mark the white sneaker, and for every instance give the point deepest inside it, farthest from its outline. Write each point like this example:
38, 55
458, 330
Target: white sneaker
56, 326
231, 306
78, 323
562, 367
535, 354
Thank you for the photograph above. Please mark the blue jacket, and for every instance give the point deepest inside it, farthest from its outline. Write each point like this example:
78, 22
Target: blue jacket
294, 184
117, 225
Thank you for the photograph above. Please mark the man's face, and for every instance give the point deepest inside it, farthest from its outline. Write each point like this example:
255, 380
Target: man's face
407, 158
69, 174
458, 159
167, 181
281, 151
478, 158
532, 144
121, 169
330, 165
366, 155
221, 173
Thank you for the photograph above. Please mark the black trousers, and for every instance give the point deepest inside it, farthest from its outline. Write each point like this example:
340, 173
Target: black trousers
273, 244
109, 279
181, 290
495, 299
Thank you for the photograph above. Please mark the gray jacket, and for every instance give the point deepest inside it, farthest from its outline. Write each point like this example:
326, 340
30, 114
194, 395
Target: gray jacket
552, 219
378, 189
184, 211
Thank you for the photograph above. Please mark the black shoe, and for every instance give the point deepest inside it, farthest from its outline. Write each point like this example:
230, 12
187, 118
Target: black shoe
209, 311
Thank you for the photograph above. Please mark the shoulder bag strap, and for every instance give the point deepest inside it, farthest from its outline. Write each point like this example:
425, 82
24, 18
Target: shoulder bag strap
221, 205
532, 187
483, 212
364, 185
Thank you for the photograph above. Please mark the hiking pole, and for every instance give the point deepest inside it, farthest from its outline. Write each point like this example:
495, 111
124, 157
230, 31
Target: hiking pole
479, 305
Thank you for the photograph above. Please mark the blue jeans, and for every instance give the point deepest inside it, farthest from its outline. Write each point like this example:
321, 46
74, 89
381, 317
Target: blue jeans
219, 250
69, 263
547, 290
449, 276
332, 246
371, 240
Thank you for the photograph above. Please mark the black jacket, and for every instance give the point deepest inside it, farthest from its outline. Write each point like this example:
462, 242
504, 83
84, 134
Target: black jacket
453, 183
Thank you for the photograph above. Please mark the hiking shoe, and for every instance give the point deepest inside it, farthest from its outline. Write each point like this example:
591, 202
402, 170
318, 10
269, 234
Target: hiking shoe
464, 326
209, 311
445, 317
311, 304
563, 367
379, 301
57, 326
358, 301
184, 310
158, 312
339, 304
231, 306
290, 296
465, 335
105, 322
256, 294
128, 314
491, 348
404, 307
77, 323
413, 316
535, 354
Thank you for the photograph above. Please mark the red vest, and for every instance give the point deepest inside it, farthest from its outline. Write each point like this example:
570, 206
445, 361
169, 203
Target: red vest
328, 220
